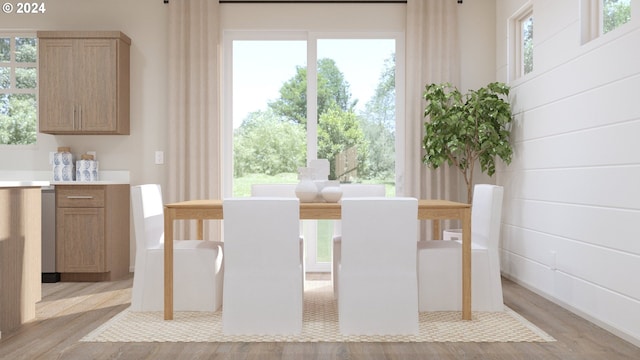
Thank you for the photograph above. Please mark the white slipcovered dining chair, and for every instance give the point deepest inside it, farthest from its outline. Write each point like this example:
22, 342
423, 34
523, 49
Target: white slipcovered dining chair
280, 190
377, 271
440, 262
197, 264
263, 283
271, 190
348, 191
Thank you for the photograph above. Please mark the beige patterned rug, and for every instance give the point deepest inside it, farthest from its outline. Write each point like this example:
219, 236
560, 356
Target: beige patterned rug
320, 325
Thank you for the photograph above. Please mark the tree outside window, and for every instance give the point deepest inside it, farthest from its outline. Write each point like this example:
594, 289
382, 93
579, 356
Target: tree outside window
18, 89
527, 45
615, 13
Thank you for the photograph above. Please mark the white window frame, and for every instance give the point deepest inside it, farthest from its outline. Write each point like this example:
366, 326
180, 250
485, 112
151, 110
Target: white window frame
311, 37
592, 21
516, 41
12, 64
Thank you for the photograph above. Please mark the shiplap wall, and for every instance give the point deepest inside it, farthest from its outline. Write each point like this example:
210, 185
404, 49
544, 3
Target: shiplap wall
571, 222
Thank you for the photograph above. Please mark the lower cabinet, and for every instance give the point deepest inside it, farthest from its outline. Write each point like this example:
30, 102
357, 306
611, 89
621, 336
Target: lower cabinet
92, 232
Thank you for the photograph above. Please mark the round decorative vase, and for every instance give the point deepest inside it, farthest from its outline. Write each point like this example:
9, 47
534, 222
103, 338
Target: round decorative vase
332, 194
306, 190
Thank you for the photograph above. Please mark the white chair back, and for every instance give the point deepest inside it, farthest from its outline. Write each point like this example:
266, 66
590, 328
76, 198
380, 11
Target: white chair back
148, 215
377, 271
349, 191
358, 190
440, 262
279, 190
486, 215
263, 284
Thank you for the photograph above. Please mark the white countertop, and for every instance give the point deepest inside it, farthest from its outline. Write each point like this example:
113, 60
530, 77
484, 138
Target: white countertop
99, 182
109, 177
16, 183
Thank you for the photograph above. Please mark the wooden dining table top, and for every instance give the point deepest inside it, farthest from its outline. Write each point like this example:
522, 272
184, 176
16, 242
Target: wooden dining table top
212, 209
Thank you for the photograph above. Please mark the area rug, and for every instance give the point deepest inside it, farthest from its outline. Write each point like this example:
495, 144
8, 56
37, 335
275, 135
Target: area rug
320, 324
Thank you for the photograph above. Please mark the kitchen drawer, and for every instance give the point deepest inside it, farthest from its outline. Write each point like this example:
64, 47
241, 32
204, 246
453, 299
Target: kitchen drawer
80, 196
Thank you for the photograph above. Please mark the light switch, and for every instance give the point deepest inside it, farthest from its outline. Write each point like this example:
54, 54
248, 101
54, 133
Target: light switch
159, 157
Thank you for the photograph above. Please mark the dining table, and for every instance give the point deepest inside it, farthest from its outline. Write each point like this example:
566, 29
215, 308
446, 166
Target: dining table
428, 209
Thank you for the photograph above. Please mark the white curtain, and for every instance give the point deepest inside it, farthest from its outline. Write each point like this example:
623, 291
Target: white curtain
432, 57
194, 157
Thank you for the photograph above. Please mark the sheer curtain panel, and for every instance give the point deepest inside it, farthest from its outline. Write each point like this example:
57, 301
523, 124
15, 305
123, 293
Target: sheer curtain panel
432, 56
194, 158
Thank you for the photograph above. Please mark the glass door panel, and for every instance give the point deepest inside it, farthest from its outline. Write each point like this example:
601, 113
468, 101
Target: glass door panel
356, 117
269, 138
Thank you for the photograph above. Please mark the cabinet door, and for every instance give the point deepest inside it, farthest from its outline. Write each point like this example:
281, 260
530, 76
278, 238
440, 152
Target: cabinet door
80, 245
56, 85
97, 76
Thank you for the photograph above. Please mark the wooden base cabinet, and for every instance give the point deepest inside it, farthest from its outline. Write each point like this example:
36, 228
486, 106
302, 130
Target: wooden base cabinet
92, 232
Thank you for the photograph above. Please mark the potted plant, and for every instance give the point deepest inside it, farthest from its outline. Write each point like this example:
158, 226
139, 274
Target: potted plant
464, 129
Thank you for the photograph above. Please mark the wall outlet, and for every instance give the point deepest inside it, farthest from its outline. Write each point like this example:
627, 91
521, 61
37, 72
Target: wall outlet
159, 160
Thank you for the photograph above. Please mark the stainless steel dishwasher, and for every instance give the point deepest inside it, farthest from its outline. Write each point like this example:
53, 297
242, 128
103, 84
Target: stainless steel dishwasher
49, 274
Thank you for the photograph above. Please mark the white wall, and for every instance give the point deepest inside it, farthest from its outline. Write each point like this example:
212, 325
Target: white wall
572, 200
145, 22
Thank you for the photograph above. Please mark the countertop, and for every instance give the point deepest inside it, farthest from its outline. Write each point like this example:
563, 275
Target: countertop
45, 178
18, 183
99, 182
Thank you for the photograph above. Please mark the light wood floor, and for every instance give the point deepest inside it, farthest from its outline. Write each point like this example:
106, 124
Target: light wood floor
71, 310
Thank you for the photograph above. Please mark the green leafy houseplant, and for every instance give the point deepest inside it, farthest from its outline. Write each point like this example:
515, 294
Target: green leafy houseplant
462, 129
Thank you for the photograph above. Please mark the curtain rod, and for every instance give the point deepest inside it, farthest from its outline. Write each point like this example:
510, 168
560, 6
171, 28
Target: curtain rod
308, 1
319, 1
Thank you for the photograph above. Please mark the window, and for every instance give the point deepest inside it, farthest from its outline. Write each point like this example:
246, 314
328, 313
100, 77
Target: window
599, 17
614, 13
521, 49
18, 89
284, 113
526, 28
342, 108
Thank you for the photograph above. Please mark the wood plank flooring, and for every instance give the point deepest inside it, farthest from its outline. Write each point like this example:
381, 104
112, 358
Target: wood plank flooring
71, 310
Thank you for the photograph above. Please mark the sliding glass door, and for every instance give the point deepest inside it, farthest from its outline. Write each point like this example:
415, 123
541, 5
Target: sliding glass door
298, 96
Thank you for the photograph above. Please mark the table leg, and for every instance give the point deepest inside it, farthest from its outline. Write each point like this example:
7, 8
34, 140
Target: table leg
168, 264
466, 264
436, 230
200, 230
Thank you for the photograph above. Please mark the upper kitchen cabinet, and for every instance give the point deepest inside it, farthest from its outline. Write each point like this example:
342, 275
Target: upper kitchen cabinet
84, 82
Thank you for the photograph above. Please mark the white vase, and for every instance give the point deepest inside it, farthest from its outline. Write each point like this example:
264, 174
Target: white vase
306, 190
332, 193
